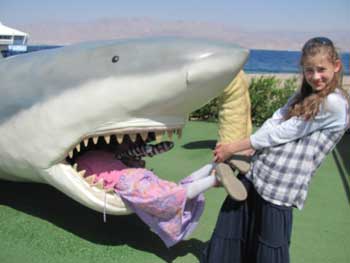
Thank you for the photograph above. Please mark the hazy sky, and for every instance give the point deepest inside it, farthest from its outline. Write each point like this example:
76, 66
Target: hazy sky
251, 15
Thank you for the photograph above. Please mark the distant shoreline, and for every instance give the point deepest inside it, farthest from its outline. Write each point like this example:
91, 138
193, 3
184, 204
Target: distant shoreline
277, 49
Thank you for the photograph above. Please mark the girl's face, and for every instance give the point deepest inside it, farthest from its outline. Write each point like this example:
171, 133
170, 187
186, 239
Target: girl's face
319, 71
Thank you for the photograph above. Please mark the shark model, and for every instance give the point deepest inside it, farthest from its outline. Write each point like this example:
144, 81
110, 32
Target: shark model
58, 104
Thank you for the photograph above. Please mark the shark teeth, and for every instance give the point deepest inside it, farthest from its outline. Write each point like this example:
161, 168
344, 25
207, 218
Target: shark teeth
82, 173
159, 136
91, 180
107, 139
99, 184
119, 137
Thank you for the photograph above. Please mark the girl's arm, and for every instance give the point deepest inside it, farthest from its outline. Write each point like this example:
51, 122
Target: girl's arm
333, 115
224, 151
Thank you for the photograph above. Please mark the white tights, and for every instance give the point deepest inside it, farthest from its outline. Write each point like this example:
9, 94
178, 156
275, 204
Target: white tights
202, 181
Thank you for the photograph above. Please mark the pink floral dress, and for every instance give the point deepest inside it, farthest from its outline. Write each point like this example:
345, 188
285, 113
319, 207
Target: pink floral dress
159, 203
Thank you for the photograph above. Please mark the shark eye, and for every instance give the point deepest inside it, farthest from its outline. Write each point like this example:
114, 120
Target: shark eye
115, 59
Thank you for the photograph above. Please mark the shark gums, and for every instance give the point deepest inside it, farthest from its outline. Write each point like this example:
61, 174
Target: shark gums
58, 104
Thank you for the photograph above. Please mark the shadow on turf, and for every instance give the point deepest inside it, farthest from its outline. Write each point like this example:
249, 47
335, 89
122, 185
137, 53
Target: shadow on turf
207, 144
45, 202
342, 156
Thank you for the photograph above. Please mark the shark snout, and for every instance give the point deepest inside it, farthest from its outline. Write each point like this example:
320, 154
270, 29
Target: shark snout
210, 74
216, 65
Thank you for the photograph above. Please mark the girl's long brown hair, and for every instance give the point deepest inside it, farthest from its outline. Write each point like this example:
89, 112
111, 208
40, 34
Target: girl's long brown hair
307, 103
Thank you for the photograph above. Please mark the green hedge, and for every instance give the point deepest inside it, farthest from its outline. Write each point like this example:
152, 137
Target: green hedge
267, 94
208, 112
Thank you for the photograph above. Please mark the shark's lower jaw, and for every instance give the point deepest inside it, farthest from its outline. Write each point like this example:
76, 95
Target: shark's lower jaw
90, 188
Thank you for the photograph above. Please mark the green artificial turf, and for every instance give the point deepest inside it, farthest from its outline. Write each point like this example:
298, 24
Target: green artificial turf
40, 224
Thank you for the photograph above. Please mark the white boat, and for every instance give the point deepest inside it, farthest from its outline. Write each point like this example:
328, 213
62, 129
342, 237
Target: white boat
12, 40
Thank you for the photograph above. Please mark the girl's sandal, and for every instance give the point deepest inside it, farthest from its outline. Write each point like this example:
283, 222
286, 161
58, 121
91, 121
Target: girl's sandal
233, 186
240, 162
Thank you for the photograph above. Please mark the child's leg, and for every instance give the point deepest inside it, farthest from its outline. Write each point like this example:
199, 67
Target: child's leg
204, 178
202, 172
199, 186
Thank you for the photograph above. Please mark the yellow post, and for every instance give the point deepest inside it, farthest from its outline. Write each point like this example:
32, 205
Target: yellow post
235, 110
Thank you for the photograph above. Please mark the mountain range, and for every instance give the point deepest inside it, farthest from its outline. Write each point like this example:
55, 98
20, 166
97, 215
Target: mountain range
63, 33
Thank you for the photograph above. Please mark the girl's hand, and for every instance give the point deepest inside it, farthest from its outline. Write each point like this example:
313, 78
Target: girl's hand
249, 152
222, 152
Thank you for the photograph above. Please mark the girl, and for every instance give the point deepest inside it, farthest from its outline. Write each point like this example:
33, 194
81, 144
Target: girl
171, 210
289, 147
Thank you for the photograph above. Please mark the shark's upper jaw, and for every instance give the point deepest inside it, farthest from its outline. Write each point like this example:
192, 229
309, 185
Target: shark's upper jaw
90, 189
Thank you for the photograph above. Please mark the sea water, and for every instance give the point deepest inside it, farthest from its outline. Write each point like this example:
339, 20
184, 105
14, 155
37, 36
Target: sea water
276, 61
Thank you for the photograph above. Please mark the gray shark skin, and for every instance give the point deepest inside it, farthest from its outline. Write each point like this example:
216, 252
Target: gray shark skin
55, 102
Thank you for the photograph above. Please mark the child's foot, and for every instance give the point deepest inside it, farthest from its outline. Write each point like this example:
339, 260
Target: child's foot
240, 162
233, 186
217, 183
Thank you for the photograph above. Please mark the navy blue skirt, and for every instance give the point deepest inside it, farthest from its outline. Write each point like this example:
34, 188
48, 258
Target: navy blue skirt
250, 232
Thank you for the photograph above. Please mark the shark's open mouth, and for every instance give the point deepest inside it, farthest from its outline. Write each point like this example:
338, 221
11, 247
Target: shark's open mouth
99, 159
